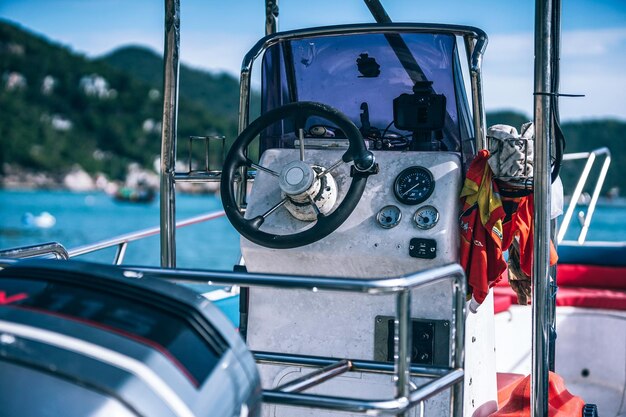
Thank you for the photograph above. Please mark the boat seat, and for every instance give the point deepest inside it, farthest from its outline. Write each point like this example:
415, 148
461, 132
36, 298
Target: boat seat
592, 276
586, 286
501, 303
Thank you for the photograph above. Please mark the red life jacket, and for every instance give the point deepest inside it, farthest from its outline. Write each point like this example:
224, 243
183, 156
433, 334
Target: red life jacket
487, 229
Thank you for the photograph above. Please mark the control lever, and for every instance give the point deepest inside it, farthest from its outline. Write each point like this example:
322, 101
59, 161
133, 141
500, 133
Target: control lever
365, 119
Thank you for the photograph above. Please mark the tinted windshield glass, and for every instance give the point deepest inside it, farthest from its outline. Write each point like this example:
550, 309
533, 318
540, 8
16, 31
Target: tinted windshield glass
349, 70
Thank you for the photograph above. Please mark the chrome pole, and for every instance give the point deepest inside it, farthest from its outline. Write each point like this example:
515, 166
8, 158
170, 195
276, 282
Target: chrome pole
378, 11
541, 252
457, 344
271, 17
475, 49
168, 133
402, 339
556, 118
316, 377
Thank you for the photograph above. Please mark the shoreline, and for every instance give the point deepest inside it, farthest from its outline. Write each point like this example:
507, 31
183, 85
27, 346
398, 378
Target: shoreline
78, 180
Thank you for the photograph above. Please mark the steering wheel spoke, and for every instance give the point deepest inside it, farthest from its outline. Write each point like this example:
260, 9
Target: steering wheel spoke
251, 164
330, 168
275, 207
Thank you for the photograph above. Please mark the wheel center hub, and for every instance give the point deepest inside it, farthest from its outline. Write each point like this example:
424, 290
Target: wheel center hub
296, 177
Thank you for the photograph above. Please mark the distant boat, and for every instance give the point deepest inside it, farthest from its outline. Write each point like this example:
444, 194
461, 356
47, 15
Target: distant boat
135, 195
44, 220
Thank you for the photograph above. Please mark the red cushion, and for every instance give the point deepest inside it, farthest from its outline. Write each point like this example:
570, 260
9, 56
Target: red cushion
587, 286
568, 297
591, 298
501, 303
505, 292
592, 276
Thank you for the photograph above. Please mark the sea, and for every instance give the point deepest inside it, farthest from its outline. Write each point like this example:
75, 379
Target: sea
84, 218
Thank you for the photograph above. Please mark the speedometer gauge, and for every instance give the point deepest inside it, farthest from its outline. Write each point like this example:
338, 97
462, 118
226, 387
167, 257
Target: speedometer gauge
414, 185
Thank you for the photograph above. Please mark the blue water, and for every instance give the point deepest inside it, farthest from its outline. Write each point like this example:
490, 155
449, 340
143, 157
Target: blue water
607, 224
83, 218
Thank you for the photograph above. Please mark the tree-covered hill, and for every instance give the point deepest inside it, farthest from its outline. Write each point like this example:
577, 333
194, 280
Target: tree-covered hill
220, 92
583, 136
60, 108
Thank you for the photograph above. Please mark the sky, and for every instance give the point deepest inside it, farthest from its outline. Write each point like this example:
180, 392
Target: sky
215, 35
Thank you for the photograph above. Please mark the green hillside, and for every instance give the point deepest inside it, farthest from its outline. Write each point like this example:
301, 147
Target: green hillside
220, 92
60, 108
583, 136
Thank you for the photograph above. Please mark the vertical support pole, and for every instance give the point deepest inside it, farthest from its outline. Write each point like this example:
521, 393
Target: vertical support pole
378, 11
541, 252
555, 79
168, 133
271, 27
402, 338
271, 17
457, 343
476, 81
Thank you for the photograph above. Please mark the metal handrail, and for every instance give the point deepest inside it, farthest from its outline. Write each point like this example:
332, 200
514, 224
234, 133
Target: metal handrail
51, 250
401, 287
122, 241
582, 181
55, 250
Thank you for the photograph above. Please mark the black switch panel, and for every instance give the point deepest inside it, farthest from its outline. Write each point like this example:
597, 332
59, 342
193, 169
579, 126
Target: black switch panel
423, 248
430, 341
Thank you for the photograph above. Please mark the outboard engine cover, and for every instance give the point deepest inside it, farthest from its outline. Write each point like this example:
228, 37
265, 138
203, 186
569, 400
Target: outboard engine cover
79, 339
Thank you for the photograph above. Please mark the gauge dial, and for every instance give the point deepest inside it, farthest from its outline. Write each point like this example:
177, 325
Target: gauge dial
426, 217
388, 217
414, 185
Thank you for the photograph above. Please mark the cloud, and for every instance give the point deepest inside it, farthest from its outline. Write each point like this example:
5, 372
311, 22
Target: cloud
592, 63
593, 43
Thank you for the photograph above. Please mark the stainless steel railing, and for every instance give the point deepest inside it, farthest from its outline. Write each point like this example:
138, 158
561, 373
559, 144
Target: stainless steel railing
405, 397
122, 241
582, 181
50, 250
57, 251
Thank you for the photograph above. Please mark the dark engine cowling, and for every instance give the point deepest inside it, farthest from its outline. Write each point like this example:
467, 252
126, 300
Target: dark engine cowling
79, 339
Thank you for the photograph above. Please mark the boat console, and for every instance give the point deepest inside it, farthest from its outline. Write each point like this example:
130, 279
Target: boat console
363, 140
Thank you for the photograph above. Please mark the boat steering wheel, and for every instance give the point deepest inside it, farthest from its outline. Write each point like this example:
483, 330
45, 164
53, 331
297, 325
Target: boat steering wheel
364, 165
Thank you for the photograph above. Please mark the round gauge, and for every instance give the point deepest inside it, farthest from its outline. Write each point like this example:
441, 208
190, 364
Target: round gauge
414, 185
388, 217
426, 217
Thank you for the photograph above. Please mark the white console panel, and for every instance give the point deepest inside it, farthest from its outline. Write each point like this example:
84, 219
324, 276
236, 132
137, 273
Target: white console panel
359, 248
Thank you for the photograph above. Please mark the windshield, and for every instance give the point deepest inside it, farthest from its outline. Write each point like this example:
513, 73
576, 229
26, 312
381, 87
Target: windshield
346, 71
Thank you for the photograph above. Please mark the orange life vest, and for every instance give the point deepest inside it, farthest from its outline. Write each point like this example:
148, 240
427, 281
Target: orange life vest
487, 229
